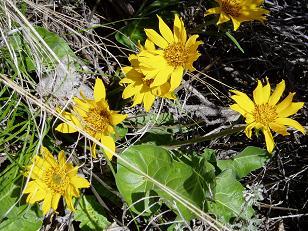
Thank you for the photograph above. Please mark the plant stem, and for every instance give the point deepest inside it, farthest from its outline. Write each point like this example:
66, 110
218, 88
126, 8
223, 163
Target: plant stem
225, 132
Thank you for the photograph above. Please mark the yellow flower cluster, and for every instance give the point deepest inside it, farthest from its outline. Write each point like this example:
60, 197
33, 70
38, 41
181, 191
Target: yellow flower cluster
157, 70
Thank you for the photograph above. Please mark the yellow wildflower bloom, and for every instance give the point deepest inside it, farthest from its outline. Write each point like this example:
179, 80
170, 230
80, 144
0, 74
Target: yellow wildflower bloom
139, 87
175, 56
238, 11
95, 118
53, 179
265, 113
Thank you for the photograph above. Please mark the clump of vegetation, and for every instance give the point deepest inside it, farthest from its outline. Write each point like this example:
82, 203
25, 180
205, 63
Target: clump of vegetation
149, 115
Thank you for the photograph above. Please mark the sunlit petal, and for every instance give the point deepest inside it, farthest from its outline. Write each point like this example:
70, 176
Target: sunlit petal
270, 144
99, 90
275, 97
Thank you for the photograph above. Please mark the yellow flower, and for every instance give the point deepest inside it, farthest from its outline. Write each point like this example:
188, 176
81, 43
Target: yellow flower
264, 113
175, 56
95, 118
53, 179
139, 87
239, 11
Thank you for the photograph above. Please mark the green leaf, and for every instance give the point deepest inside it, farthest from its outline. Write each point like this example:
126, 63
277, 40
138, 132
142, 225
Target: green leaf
250, 159
230, 36
15, 216
205, 170
158, 164
159, 6
57, 44
157, 119
131, 34
120, 131
27, 220
90, 214
228, 198
9, 192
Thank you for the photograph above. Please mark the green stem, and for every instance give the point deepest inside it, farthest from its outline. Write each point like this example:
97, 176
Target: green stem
222, 133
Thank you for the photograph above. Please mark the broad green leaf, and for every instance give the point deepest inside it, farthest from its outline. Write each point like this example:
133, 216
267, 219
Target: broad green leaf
205, 170
250, 159
27, 220
131, 34
120, 131
57, 44
228, 198
158, 164
90, 215
15, 215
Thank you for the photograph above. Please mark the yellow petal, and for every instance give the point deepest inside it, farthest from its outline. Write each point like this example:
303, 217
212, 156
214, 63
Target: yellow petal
292, 123
61, 158
249, 118
165, 31
47, 203
285, 103
236, 107
176, 78
93, 150
179, 31
48, 156
292, 109
30, 187
72, 171
266, 92
215, 10
279, 128
236, 23
270, 144
117, 118
109, 146
79, 182
258, 94
148, 101
138, 99
149, 45
35, 196
275, 97
191, 41
243, 101
81, 107
41, 164
69, 202
65, 128
223, 18
128, 92
248, 129
161, 78
55, 200
156, 38
99, 90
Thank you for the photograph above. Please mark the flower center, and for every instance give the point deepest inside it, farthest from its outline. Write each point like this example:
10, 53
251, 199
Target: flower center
97, 121
231, 7
148, 82
56, 180
176, 54
265, 114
